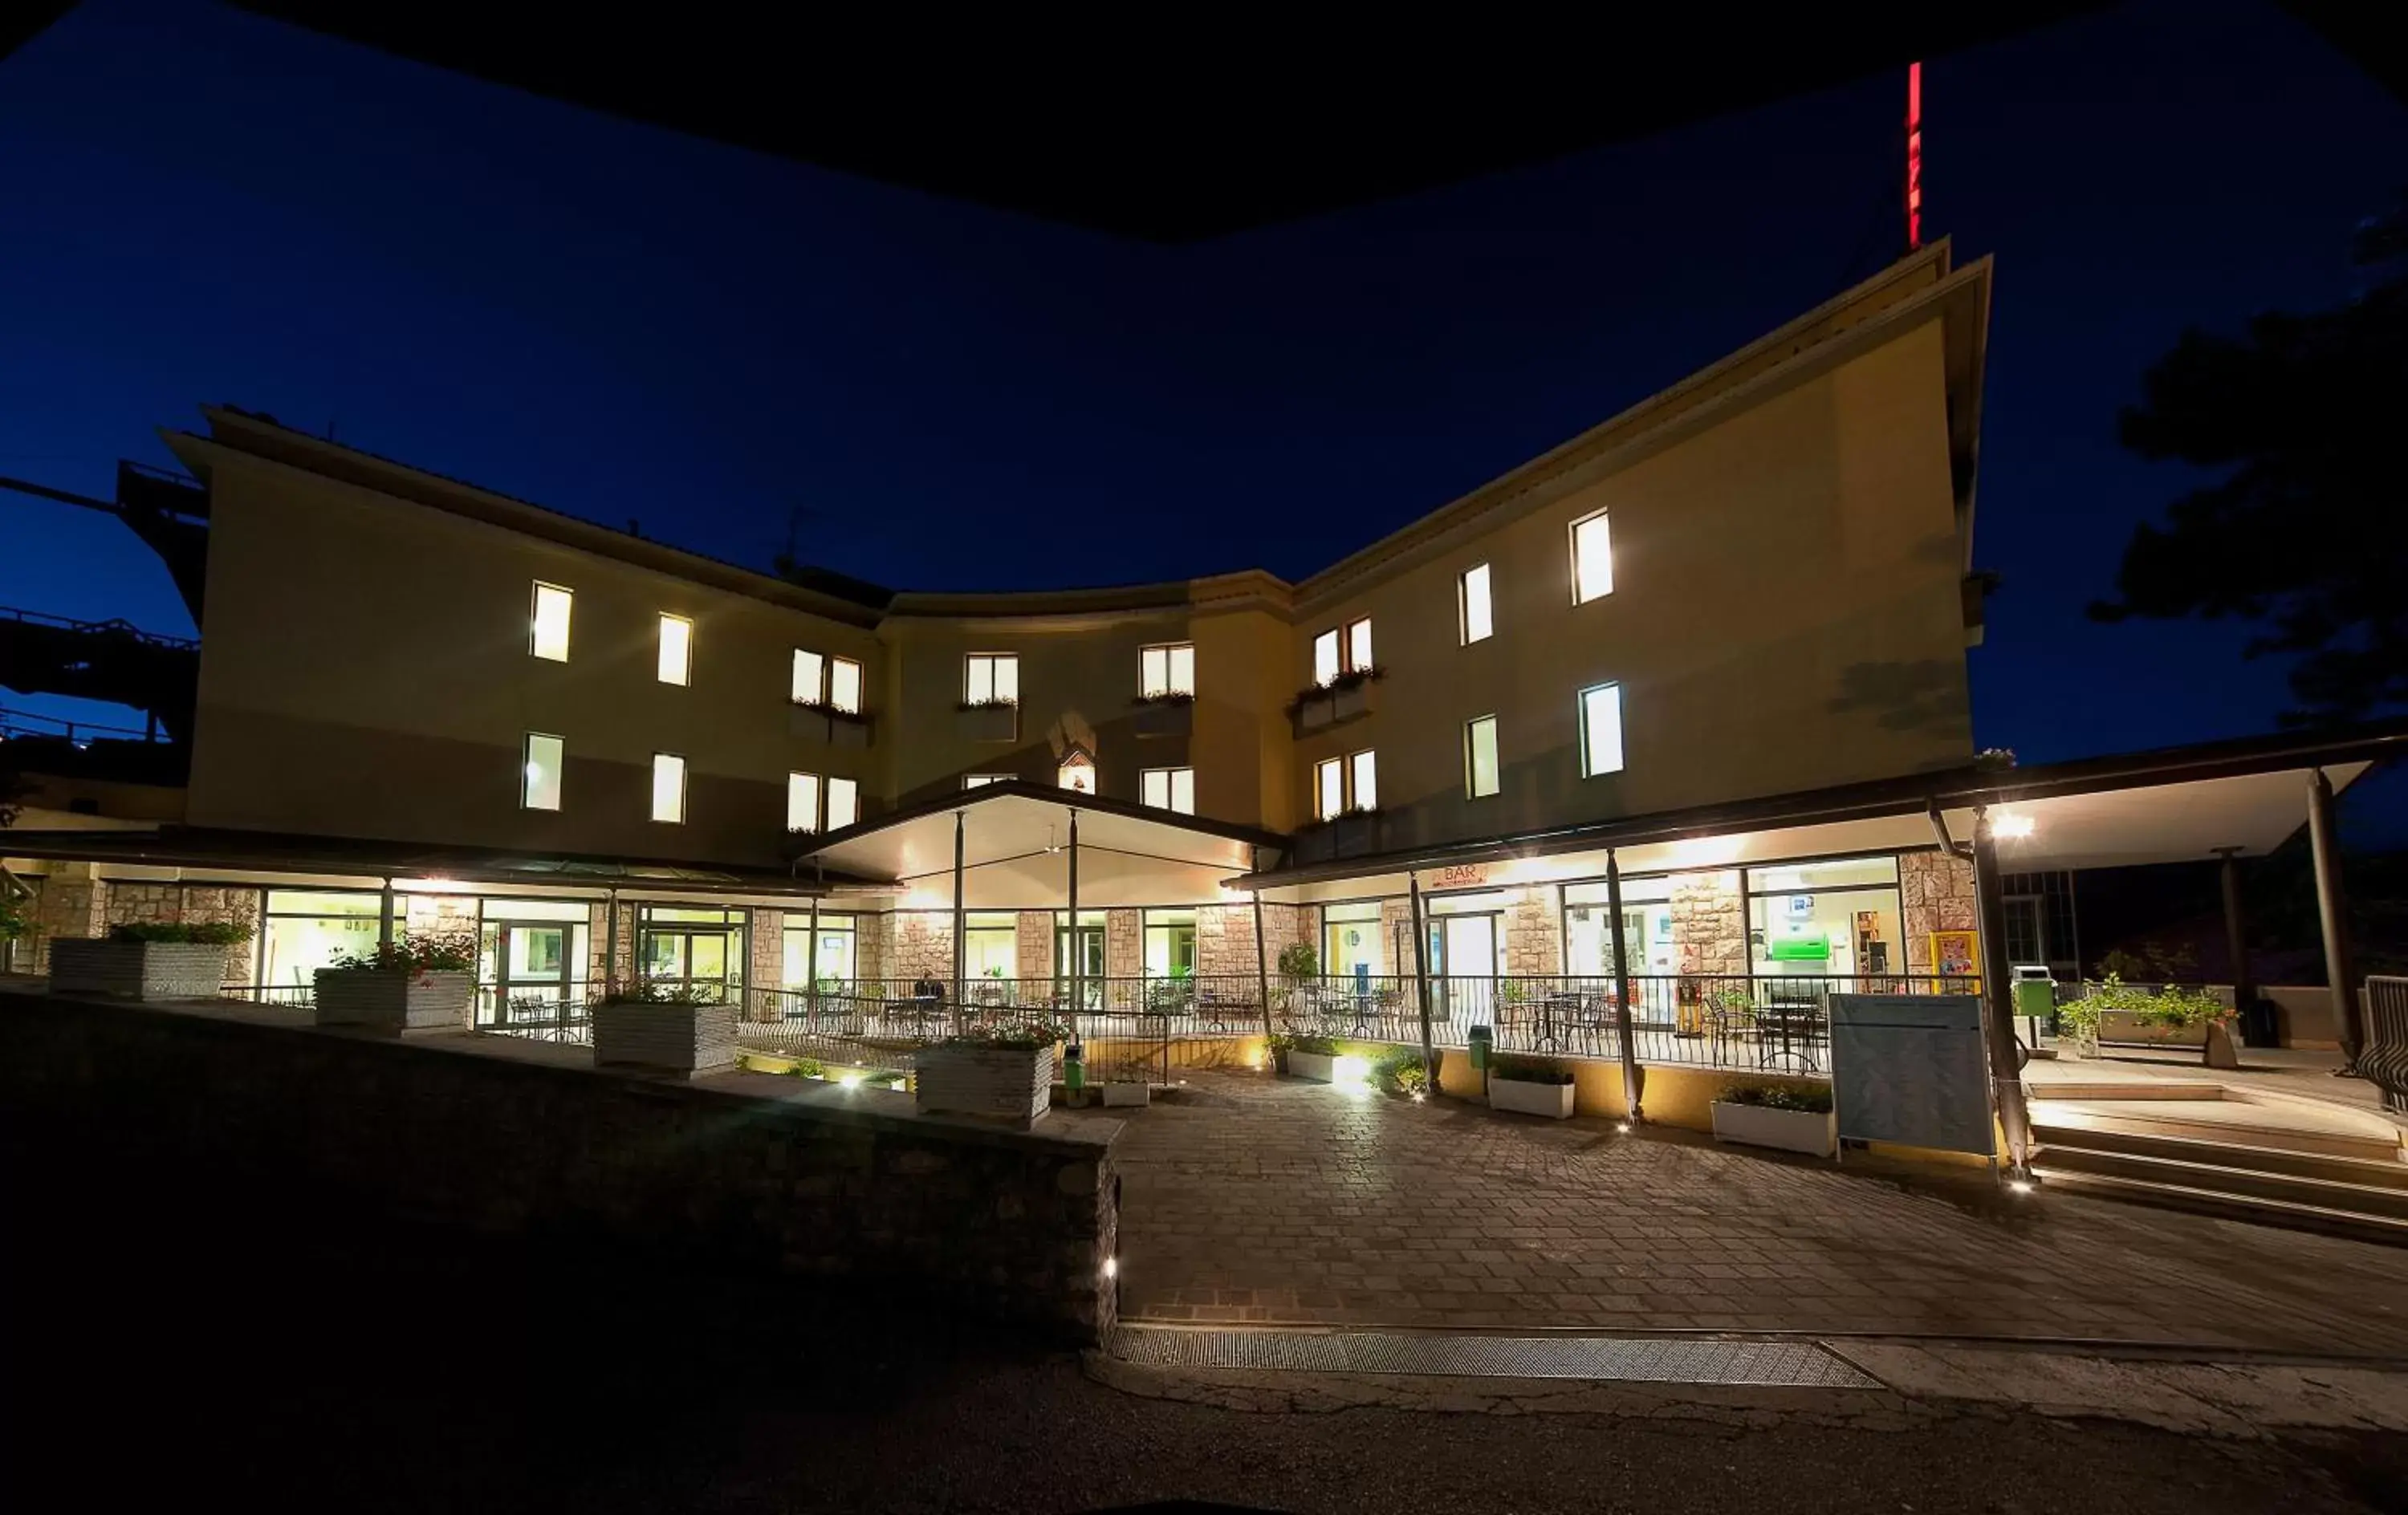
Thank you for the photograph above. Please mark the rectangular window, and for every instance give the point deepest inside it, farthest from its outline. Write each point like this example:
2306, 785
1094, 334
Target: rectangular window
1601, 721
1169, 789
1473, 594
991, 679
1324, 658
1592, 559
1363, 769
980, 780
677, 649
843, 803
844, 685
802, 802
1479, 756
548, 638
668, 787
809, 669
1359, 644
539, 786
1168, 670
1328, 788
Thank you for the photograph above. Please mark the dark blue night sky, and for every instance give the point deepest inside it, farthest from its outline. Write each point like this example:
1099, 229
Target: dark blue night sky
201, 205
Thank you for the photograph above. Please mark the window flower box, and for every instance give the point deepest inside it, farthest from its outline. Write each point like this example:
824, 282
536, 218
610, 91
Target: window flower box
1530, 1086
665, 1036
827, 723
1013, 1084
1811, 1132
1343, 699
394, 1000
1164, 715
995, 721
134, 969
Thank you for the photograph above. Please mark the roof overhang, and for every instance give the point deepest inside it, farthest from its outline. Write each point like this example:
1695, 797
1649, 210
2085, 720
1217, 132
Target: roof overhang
1015, 839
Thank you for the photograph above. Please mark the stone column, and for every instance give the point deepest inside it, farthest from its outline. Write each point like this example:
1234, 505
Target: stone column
765, 935
2332, 913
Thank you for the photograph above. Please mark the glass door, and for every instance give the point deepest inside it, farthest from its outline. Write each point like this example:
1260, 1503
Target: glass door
1091, 964
695, 956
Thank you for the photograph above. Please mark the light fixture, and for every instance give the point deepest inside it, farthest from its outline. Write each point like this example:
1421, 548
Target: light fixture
2020, 1186
1621, 1126
1111, 1268
1420, 1098
1351, 1072
2013, 825
850, 1080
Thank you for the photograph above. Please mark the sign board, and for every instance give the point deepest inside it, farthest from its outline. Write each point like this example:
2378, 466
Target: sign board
1460, 876
1911, 1069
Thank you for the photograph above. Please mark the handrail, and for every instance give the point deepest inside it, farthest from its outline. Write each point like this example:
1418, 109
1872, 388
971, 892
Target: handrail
20, 725
113, 627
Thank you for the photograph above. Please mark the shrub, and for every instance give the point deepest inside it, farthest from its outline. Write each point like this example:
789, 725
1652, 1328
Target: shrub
1515, 1069
809, 1068
1298, 960
646, 992
1402, 1072
2172, 1005
198, 932
1010, 1037
1313, 1042
455, 953
1812, 1099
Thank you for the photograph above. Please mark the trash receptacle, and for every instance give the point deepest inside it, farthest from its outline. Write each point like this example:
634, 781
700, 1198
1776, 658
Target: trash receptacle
2035, 1002
1479, 1040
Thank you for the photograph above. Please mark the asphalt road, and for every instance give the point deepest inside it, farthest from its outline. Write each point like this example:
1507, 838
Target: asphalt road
172, 1347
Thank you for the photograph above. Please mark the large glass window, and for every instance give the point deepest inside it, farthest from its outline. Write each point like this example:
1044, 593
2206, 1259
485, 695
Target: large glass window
533, 958
303, 928
1363, 772
1472, 598
809, 670
1359, 644
548, 635
685, 945
1168, 670
1169, 789
991, 679
844, 685
991, 945
833, 962
539, 780
676, 650
1647, 928
1324, 658
843, 803
1592, 559
1838, 918
1329, 787
1350, 940
1479, 756
802, 802
1171, 944
1600, 720
668, 787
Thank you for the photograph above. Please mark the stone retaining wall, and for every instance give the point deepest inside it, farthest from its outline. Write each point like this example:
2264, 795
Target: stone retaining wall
749, 1172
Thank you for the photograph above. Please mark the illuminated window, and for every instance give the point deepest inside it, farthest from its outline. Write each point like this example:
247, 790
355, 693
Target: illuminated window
1473, 594
1332, 656
802, 802
991, 679
1601, 719
1363, 770
1169, 789
1329, 787
540, 785
1479, 756
980, 780
844, 685
1359, 644
843, 803
1168, 670
1079, 772
668, 787
1592, 559
810, 669
1324, 658
549, 634
677, 649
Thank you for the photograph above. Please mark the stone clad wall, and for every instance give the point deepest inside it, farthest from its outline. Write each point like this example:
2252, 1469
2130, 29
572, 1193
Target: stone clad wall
64, 905
764, 940
1124, 944
1225, 941
1534, 932
746, 1173
923, 943
1710, 922
1032, 945
1936, 894
873, 945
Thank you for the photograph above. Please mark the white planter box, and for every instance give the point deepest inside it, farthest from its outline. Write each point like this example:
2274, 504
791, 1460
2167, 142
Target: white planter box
1321, 1067
394, 999
1127, 1095
999, 1083
671, 1038
138, 969
1553, 1100
1791, 1131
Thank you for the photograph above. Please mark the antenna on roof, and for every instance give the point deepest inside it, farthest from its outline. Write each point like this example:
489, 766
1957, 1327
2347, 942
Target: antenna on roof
1914, 156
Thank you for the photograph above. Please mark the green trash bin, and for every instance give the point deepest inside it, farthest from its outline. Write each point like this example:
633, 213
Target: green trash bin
2035, 999
1479, 1039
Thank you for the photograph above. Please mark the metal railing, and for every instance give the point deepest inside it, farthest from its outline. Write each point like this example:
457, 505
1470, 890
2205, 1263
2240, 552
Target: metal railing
17, 724
542, 1014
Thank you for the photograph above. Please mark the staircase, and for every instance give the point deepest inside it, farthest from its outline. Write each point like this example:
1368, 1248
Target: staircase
2201, 1146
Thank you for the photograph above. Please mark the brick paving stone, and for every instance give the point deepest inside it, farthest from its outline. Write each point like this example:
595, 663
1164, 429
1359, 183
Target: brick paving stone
1277, 1202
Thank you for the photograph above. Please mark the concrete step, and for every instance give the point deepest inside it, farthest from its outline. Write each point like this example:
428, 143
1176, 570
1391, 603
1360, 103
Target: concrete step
2297, 1217
2374, 1172
2230, 1121
2058, 1086
2216, 1178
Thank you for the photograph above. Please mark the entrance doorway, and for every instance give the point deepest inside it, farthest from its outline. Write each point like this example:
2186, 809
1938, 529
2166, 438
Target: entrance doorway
1462, 961
693, 948
1090, 960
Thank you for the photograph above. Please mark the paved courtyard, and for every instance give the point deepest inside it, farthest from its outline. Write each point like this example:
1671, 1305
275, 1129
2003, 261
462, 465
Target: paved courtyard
1278, 1202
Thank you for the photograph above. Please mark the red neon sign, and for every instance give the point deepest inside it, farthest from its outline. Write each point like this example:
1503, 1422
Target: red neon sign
1914, 156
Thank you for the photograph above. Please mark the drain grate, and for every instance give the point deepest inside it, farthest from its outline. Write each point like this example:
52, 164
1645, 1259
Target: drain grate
1629, 1359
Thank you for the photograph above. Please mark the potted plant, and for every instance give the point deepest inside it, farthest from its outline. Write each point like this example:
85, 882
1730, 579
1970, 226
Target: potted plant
15, 924
1793, 1118
989, 721
1167, 712
2077, 1020
1004, 1071
1275, 1047
1344, 697
419, 983
147, 960
1312, 1056
668, 1028
1531, 1086
2180, 1007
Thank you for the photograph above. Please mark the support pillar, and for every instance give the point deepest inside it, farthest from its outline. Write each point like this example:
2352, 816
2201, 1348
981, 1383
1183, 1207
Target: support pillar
609, 942
384, 917
811, 966
1998, 1011
1633, 1086
1262, 959
1070, 942
2332, 913
1421, 978
2236, 935
961, 940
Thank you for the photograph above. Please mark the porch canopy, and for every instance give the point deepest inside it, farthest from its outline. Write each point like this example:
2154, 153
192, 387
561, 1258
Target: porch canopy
1015, 841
